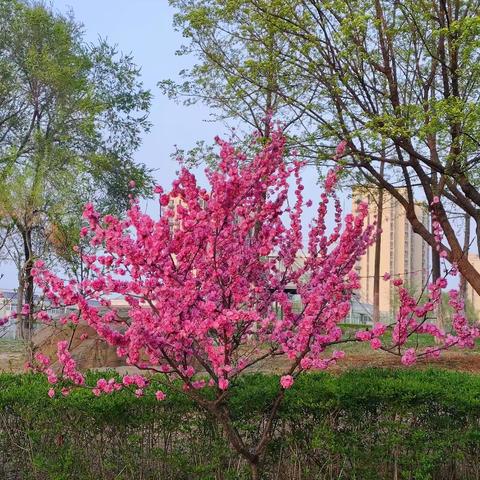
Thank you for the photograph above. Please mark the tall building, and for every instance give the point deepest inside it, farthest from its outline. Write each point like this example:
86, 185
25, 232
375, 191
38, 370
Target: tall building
472, 297
403, 253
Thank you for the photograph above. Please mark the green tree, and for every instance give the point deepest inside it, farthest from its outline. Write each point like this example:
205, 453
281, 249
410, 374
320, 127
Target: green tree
238, 74
399, 80
71, 116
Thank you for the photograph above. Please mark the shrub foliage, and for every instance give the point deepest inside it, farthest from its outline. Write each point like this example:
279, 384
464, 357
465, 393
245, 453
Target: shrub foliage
368, 424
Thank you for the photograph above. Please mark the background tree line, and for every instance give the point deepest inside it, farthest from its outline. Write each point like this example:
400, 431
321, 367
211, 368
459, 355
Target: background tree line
71, 115
399, 80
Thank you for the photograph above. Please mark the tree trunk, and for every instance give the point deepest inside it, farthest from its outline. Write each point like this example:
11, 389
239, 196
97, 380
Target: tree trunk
220, 412
378, 246
20, 294
255, 471
252, 456
436, 271
25, 294
436, 274
466, 246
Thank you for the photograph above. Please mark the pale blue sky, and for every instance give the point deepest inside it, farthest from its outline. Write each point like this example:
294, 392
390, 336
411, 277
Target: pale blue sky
144, 29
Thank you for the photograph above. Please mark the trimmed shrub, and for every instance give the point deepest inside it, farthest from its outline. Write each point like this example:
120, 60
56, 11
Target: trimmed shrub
363, 424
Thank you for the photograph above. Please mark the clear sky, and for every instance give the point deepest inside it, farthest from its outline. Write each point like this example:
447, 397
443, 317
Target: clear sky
144, 29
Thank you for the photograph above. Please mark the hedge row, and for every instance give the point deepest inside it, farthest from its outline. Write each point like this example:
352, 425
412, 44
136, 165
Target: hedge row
367, 424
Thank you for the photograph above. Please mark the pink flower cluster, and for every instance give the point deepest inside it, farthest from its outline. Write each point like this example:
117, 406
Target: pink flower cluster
373, 335
207, 283
69, 365
106, 386
409, 357
413, 316
286, 381
437, 231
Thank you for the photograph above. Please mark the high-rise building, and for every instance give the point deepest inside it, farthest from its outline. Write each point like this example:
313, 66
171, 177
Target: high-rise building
403, 253
472, 297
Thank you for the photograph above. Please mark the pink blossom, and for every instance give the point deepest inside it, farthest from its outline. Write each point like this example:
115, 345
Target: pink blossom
363, 335
338, 354
223, 383
442, 283
51, 393
206, 282
198, 384
432, 352
306, 363
43, 317
69, 365
409, 357
43, 359
159, 395
379, 329
341, 148
286, 381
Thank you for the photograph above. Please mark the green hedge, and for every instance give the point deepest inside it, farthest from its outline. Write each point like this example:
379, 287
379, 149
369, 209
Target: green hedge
366, 424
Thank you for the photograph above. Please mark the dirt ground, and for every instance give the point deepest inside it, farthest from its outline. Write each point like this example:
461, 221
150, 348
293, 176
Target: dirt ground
452, 360
11, 356
462, 361
12, 359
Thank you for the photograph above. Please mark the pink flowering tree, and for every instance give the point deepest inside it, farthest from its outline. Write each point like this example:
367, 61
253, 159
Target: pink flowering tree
208, 285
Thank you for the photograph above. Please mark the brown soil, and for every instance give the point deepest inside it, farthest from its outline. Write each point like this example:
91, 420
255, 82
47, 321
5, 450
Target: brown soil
94, 354
453, 360
89, 353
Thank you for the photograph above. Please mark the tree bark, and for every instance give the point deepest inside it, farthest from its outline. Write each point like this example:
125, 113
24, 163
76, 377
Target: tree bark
20, 294
255, 471
378, 246
466, 246
436, 264
436, 271
252, 456
26, 288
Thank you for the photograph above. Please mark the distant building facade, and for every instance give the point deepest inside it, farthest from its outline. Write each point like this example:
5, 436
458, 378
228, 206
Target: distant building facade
8, 299
403, 253
472, 297
8, 305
